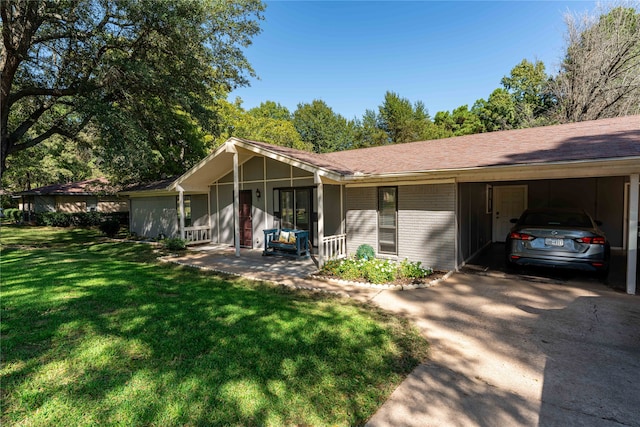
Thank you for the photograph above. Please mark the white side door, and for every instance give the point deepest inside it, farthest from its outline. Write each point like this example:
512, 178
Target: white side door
508, 202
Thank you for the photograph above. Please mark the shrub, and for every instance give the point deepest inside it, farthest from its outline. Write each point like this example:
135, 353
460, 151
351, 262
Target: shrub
110, 227
365, 252
375, 270
413, 270
13, 214
54, 219
351, 270
380, 271
332, 267
175, 244
86, 219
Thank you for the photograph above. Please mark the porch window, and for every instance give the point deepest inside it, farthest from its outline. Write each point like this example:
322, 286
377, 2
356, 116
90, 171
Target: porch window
294, 208
388, 220
187, 210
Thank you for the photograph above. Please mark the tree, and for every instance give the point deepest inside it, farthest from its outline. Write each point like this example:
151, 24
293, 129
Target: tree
367, 133
498, 112
132, 75
402, 121
461, 122
319, 126
600, 74
54, 160
272, 110
528, 85
264, 123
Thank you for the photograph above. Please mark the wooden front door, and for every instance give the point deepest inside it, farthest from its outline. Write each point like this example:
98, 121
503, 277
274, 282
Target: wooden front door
246, 223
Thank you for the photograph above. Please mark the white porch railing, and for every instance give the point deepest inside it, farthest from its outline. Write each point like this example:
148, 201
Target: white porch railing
334, 247
194, 235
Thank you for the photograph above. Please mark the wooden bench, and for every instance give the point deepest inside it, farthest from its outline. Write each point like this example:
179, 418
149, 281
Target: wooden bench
287, 242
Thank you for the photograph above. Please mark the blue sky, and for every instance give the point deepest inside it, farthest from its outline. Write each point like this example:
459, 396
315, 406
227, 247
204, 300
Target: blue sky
445, 54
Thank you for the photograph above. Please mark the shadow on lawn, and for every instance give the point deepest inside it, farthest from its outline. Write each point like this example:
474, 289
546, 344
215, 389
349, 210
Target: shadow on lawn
95, 333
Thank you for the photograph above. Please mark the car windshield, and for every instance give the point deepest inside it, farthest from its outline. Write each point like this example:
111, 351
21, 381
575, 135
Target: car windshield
558, 219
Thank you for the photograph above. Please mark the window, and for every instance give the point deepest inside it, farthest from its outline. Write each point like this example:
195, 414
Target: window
187, 210
387, 220
294, 207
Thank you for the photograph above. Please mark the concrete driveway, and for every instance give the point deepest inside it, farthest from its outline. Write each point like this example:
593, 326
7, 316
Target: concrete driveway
519, 351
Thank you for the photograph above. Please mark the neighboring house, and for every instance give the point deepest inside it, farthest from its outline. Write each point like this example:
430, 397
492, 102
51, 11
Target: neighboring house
83, 196
438, 202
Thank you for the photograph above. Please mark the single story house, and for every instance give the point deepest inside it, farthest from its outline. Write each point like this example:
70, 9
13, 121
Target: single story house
84, 196
439, 202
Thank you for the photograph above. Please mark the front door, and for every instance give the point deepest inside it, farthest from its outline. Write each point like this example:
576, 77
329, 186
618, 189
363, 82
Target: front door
246, 223
508, 202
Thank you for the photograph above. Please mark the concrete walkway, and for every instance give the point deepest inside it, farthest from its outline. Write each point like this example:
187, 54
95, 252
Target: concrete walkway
505, 350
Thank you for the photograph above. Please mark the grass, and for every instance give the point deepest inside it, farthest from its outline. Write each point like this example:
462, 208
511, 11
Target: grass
96, 332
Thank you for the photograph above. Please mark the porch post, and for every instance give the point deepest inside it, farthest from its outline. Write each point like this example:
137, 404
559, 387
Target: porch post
181, 210
318, 182
209, 213
632, 249
342, 227
236, 202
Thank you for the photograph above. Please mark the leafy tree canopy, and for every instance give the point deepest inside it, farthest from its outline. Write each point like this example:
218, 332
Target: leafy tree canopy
272, 110
319, 126
131, 75
266, 123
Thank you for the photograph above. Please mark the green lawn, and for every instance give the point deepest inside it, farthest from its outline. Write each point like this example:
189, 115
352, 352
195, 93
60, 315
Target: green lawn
96, 332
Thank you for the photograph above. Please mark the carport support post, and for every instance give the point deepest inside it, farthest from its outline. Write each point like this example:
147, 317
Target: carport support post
632, 252
181, 211
320, 192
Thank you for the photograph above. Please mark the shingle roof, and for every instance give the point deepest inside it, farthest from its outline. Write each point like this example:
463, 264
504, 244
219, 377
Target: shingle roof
592, 140
80, 188
599, 139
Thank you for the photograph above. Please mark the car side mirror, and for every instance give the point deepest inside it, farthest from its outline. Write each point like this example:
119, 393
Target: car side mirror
598, 222
513, 220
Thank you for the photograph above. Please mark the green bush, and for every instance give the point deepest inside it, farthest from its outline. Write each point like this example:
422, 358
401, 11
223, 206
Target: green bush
380, 271
175, 244
86, 219
110, 227
13, 214
365, 252
351, 270
413, 270
54, 219
375, 270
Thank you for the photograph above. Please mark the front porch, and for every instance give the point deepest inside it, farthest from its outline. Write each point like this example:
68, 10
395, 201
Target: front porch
252, 265
251, 262
199, 238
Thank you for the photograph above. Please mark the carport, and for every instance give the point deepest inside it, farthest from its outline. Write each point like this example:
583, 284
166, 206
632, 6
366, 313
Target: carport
597, 172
